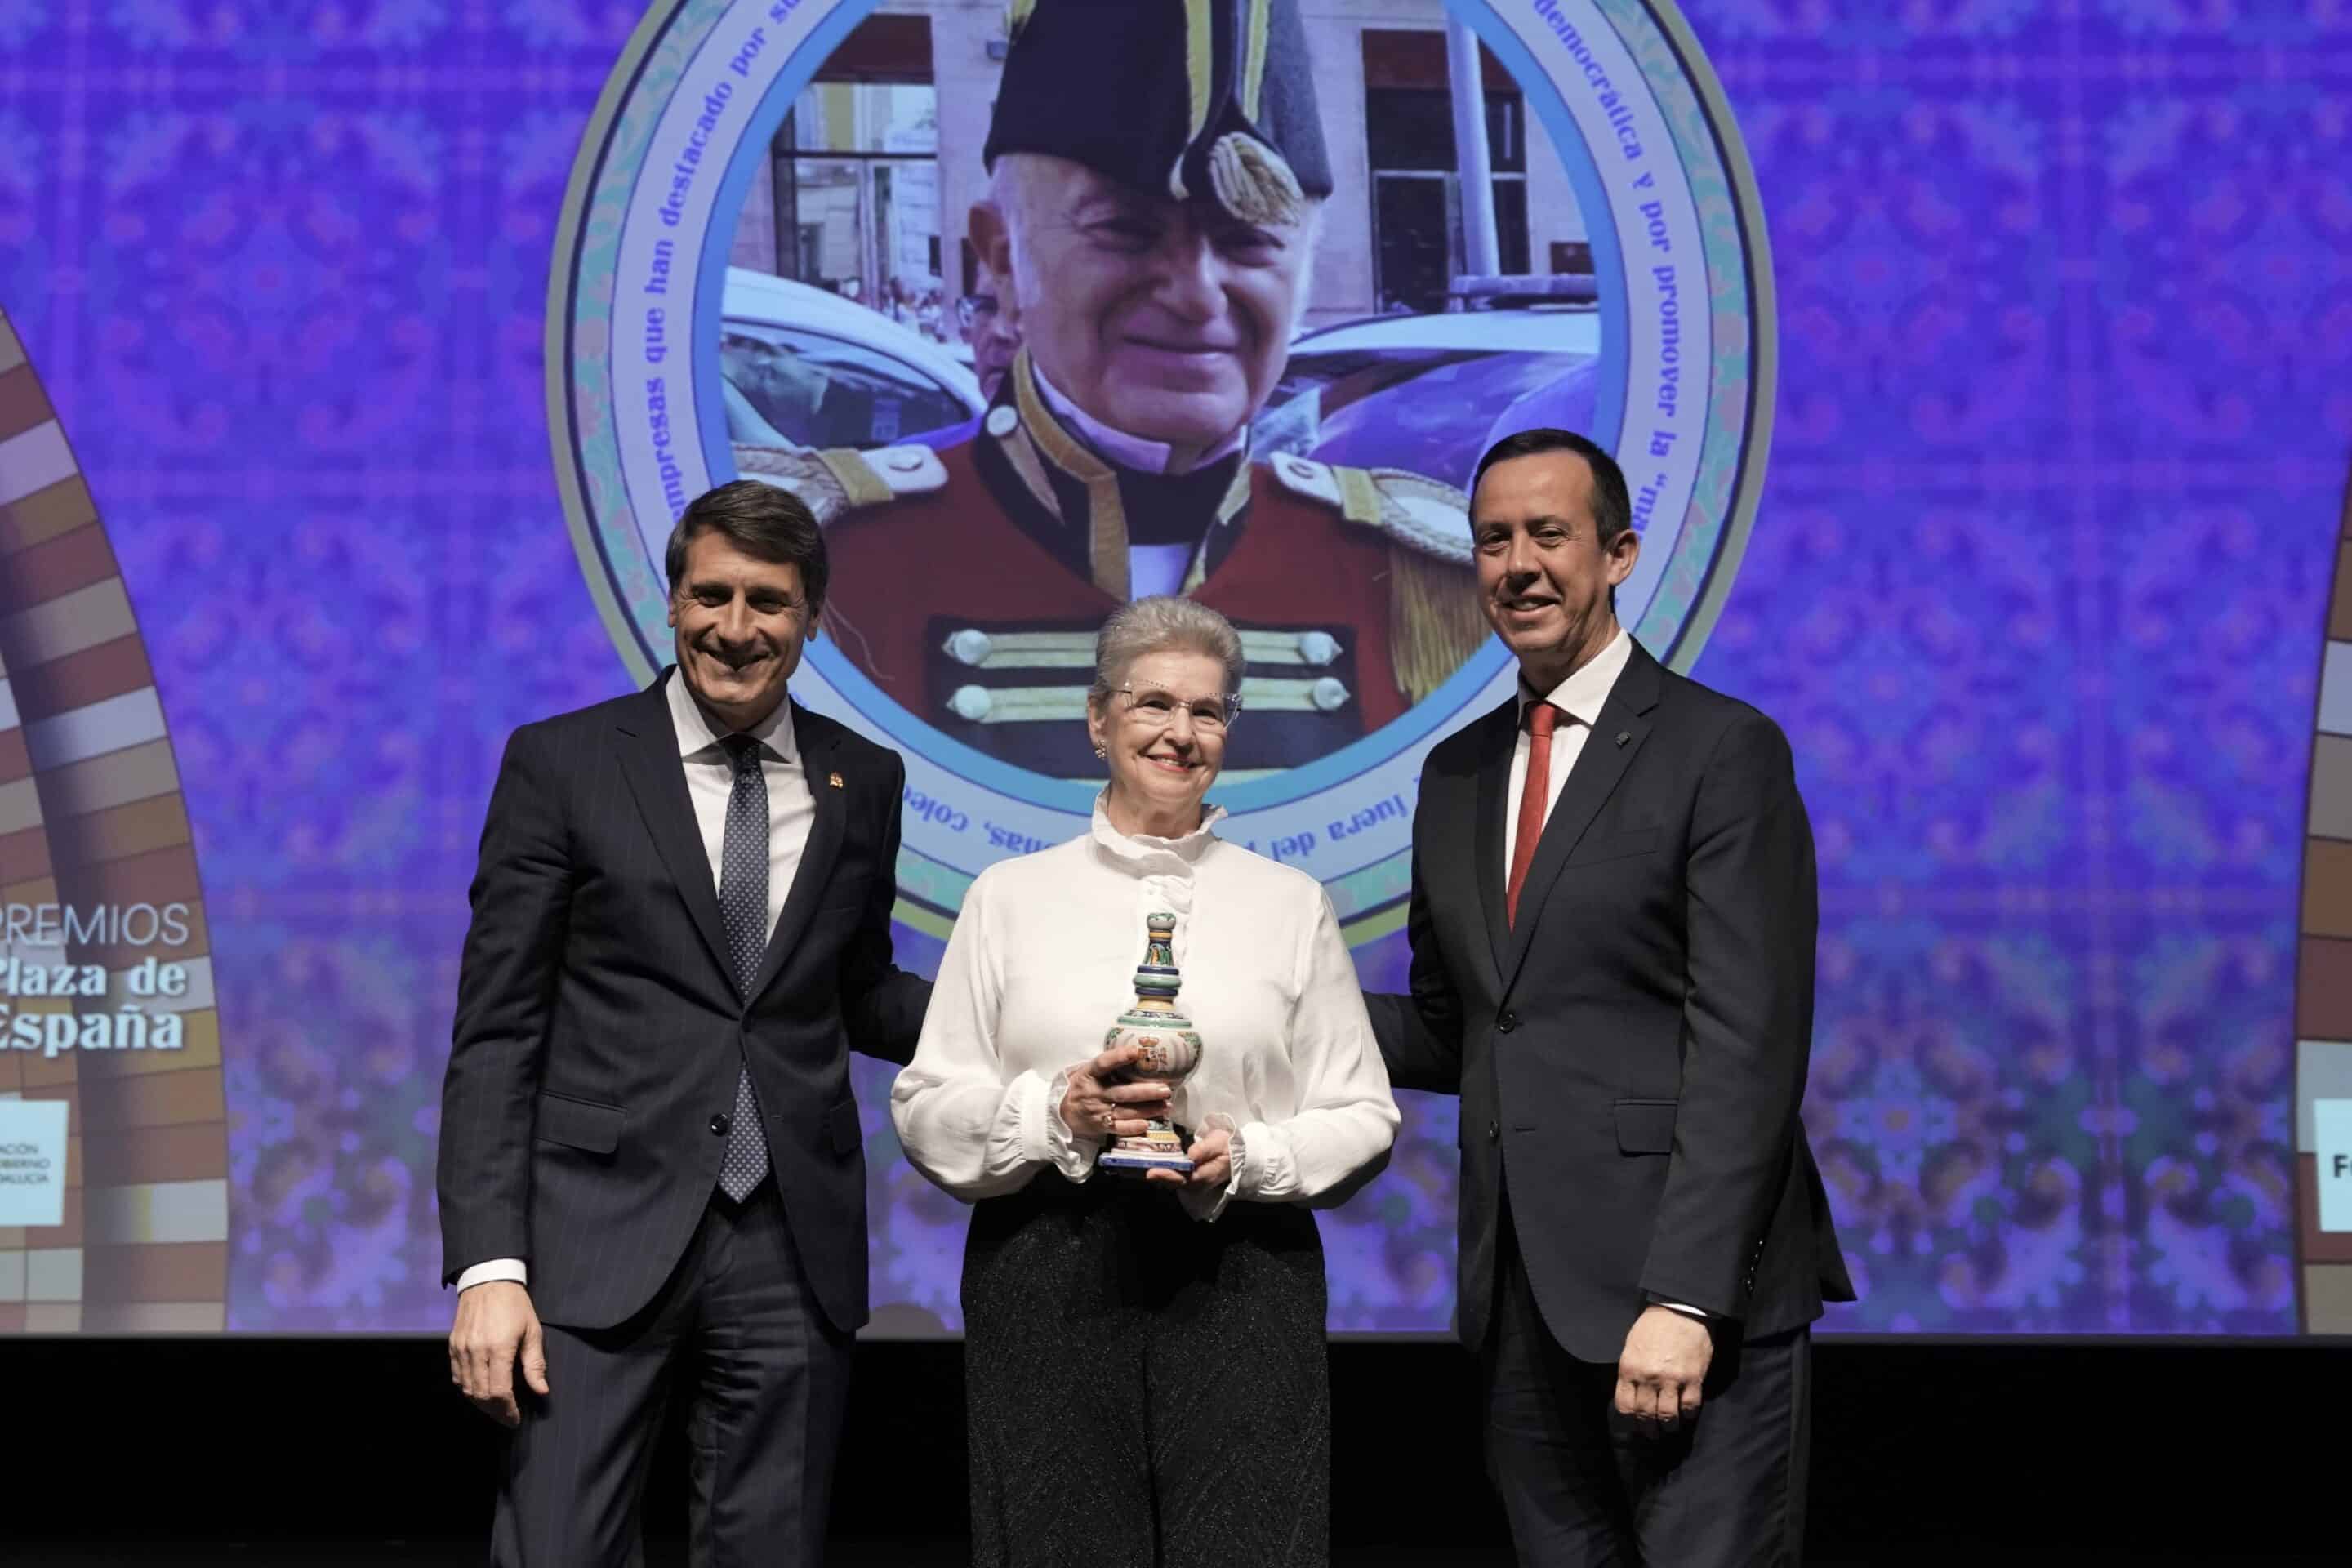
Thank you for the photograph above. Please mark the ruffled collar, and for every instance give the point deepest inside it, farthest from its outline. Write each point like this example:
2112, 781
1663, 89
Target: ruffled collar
1141, 855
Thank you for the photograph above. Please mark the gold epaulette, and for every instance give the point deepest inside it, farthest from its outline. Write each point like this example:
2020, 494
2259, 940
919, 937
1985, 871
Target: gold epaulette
1434, 620
835, 481
1425, 514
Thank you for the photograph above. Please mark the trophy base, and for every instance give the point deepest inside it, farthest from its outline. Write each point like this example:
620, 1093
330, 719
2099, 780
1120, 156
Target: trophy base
1127, 1163
1157, 1149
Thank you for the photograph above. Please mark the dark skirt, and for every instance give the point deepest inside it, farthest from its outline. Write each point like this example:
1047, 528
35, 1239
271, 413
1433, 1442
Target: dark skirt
1146, 1391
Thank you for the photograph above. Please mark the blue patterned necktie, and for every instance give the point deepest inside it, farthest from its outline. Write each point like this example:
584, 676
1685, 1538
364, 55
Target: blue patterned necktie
743, 910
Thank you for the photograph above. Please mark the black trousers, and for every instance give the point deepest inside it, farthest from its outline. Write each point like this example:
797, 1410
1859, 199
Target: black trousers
1584, 1487
1146, 1391
738, 1333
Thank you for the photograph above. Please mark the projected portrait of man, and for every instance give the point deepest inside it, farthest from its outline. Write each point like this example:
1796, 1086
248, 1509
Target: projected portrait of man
1157, 177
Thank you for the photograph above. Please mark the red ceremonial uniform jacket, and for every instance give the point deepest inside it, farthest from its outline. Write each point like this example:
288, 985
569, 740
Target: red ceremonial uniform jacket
973, 600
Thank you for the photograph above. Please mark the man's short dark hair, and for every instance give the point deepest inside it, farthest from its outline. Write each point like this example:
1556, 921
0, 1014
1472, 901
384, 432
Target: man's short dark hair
1612, 502
764, 522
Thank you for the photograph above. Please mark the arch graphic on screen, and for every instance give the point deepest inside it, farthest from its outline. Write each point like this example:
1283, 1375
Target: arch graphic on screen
91, 818
2323, 1011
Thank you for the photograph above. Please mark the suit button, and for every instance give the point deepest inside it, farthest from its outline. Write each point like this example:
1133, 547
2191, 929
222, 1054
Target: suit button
719, 1124
1507, 1021
1494, 1133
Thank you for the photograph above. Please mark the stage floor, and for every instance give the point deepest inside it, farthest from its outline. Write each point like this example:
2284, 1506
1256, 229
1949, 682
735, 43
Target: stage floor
951, 1554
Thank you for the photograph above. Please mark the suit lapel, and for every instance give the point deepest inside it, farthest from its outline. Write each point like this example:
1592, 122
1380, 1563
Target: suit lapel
1598, 768
823, 847
649, 759
1494, 800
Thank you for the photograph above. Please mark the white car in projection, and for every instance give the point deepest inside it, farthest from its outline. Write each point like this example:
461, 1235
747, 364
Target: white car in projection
1431, 392
802, 367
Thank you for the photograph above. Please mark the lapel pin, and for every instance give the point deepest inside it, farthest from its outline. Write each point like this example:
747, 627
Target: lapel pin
832, 779
1623, 736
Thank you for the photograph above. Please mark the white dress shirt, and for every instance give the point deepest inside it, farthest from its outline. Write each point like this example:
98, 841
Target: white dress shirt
709, 780
1043, 959
1579, 699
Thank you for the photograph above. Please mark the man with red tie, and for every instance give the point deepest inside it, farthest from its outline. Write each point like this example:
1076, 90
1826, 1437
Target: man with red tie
1612, 926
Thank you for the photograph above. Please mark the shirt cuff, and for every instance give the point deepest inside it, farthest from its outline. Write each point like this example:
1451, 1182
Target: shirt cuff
1263, 1168
1068, 1152
1687, 1311
1206, 1206
495, 1269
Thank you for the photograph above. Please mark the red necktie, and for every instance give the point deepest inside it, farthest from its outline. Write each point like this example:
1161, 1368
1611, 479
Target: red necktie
1535, 796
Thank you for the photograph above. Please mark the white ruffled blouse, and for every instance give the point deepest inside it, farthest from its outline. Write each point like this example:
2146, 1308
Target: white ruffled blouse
1041, 962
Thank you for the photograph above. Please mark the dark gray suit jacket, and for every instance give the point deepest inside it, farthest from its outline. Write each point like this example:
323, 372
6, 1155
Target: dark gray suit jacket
598, 1028
1633, 1051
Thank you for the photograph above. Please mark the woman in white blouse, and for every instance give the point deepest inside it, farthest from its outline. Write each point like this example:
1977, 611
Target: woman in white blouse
1145, 1356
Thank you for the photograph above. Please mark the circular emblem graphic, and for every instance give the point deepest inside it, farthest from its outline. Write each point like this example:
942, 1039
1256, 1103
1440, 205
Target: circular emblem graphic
673, 367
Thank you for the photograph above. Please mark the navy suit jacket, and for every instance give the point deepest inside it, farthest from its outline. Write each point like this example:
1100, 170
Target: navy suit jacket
600, 1029
1632, 1051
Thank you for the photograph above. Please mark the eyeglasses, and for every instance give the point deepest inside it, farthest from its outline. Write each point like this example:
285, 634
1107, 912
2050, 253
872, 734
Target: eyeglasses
970, 308
1155, 708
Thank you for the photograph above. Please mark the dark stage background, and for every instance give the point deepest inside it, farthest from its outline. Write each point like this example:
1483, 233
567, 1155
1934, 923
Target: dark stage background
355, 1451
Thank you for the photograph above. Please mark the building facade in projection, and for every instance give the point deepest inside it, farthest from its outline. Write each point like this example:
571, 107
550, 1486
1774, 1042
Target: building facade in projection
867, 187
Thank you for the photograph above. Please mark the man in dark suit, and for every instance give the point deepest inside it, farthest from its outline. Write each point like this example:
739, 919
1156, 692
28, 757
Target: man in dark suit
1612, 926
651, 1167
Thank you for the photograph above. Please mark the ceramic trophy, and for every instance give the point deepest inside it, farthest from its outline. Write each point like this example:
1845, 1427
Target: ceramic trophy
1170, 1047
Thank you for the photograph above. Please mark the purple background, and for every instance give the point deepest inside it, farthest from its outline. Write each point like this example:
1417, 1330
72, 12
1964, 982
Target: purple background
2065, 402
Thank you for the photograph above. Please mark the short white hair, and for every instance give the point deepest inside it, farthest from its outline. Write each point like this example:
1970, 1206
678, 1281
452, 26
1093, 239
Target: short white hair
1164, 623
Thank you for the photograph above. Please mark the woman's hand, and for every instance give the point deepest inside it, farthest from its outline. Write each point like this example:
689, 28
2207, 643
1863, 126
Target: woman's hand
1097, 1102
1212, 1157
